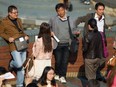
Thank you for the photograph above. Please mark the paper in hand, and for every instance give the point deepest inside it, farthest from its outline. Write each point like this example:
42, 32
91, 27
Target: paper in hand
8, 75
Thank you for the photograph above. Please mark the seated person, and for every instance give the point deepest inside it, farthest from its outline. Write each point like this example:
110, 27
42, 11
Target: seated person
47, 78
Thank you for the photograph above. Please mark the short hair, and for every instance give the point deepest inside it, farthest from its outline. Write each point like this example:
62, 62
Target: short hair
11, 7
99, 4
60, 5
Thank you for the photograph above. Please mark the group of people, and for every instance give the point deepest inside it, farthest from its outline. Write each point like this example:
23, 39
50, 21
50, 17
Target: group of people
93, 40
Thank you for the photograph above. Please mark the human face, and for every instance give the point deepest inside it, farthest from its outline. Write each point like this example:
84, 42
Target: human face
61, 12
100, 11
13, 14
50, 75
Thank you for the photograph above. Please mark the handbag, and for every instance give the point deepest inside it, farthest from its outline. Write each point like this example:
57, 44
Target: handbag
21, 44
28, 64
112, 61
74, 41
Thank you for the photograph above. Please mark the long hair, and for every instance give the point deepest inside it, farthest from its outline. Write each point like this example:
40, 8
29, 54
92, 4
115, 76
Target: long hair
45, 33
43, 78
111, 76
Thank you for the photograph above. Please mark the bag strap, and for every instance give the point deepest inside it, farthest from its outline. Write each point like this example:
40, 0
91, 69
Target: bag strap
70, 32
27, 65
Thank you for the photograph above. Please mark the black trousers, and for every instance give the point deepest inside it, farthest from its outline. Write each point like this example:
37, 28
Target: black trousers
61, 54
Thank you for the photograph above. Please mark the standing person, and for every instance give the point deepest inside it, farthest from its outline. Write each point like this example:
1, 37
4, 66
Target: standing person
10, 29
47, 78
42, 49
60, 28
93, 51
100, 18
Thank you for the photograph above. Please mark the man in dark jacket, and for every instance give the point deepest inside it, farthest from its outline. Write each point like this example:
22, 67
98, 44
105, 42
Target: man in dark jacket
100, 18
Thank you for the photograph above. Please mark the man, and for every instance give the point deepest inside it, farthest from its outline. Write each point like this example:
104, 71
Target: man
60, 28
100, 18
10, 29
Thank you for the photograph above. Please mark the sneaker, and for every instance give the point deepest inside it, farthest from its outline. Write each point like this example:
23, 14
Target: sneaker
86, 2
62, 80
56, 77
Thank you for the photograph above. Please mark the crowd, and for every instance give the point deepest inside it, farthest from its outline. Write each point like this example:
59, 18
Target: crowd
42, 74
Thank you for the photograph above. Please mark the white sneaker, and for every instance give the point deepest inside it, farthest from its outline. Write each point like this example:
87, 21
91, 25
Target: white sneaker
86, 3
62, 80
56, 77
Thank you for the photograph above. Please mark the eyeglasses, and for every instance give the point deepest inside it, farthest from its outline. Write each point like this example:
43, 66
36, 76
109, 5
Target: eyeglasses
14, 12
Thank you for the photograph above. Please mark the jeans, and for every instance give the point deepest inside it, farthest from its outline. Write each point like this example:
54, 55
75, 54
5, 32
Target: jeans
17, 62
61, 54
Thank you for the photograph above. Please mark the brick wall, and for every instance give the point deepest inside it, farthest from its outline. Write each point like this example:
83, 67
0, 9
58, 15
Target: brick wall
72, 68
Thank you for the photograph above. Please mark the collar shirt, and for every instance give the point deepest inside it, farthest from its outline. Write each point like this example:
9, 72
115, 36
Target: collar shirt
63, 19
49, 84
100, 23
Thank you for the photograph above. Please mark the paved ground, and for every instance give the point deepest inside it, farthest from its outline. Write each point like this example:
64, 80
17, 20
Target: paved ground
42, 10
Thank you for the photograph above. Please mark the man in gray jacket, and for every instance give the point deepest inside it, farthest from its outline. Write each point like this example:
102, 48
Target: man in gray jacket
60, 27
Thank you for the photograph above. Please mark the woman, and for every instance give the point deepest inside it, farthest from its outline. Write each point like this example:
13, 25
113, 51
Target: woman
42, 50
92, 49
47, 78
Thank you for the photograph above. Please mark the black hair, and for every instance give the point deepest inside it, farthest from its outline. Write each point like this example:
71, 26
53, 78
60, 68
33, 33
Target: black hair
32, 85
43, 78
45, 33
60, 5
93, 24
99, 4
11, 7
2, 70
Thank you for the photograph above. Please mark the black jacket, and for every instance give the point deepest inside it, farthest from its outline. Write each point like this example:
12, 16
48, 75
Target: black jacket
92, 45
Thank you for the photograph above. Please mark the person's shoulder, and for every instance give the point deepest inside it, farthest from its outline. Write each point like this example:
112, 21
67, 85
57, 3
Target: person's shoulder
54, 17
4, 19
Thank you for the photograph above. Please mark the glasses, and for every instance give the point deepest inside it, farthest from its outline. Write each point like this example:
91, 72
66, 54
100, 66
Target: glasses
14, 12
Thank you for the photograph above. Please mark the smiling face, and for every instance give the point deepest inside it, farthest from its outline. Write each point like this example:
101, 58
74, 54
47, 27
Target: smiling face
100, 11
13, 14
50, 75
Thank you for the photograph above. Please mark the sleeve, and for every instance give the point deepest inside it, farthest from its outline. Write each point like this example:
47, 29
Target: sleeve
2, 32
35, 49
80, 20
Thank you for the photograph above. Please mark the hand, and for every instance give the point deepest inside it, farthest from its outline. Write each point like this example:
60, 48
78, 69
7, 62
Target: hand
52, 33
26, 38
109, 28
11, 39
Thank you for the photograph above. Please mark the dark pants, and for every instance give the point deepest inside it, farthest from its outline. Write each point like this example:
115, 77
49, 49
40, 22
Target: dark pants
61, 54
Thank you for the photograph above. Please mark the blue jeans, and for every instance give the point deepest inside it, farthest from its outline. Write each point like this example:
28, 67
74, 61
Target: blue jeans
61, 54
17, 62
